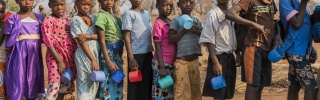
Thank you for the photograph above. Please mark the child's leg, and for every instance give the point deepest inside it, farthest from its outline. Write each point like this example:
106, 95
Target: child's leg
303, 72
57, 90
194, 78
133, 87
257, 70
157, 92
146, 82
109, 89
182, 89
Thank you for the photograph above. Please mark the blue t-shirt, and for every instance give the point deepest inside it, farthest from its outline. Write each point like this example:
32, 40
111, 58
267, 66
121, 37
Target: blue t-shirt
189, 42
139, 24
297, 40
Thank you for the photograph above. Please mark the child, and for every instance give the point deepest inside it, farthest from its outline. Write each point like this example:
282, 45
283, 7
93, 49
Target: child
61, 48
187, 80
111, 43
137, 28
220, 38
259, 37
24, 69
164, 56
295, 15
87, 53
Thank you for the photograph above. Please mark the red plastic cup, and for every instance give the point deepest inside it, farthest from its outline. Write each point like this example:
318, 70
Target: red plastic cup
135, 76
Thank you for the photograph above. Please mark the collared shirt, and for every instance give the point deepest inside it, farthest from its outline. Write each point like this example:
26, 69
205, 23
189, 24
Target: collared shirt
219, 31
139, 24
260, 13
297, 40
161, 31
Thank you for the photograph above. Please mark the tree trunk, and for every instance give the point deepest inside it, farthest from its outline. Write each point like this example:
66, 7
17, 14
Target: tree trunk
94, 7
116, 8
152, 6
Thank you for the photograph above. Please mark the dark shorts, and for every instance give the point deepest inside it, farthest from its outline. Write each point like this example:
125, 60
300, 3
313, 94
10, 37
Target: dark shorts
300, 72
257, 67
227, 62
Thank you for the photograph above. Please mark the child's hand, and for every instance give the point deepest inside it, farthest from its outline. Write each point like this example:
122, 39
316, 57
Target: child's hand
259, 28
238, 61
62, 67
112, 67
133, 65
8, 50
95, 66
217, 68
68, 29
196, 28
81, 38
268, 2
162, 71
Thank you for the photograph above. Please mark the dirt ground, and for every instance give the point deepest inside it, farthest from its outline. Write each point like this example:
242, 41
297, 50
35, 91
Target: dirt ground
277, 91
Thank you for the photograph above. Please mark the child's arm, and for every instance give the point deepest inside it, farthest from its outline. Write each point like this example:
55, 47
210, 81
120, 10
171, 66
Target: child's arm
234, 16
173, 37
296, 18
85, 48
61, 64
132, 62
111, 66
83, 37
217, 68
162, 70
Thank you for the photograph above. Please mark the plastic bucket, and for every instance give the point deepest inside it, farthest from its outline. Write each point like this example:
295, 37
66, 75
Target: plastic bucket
97, 76
165, 81
218, 82
135, 76
118, 76
67, 76
276, 54
185, 21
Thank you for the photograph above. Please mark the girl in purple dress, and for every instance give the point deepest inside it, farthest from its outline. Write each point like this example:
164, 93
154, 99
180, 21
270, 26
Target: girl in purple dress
24, 69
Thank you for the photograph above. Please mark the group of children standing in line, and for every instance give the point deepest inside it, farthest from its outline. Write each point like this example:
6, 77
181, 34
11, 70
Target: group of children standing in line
89, 43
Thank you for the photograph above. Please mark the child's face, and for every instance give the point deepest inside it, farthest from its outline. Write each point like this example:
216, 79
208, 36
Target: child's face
58, 7
25, 5
165, 7
222, 1
84, 6
186, 6
136, 3
106, 4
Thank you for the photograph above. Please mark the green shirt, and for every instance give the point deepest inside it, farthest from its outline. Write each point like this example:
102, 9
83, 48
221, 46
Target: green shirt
110, 24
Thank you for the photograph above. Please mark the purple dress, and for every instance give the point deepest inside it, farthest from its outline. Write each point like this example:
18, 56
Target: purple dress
24, 69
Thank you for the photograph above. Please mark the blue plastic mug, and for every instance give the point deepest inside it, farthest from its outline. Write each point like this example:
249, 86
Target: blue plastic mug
67, 76
165, 82
276, 54
185, 21
118, 76
218, 82
97, 76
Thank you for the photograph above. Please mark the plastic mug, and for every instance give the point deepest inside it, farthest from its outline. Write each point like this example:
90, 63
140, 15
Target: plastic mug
218, 82
67, 76
185, 21
97, 76
276, 54
135, 76
165, 81
118, 76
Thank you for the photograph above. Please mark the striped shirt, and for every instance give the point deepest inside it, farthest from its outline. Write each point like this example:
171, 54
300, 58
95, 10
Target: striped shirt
138, 23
